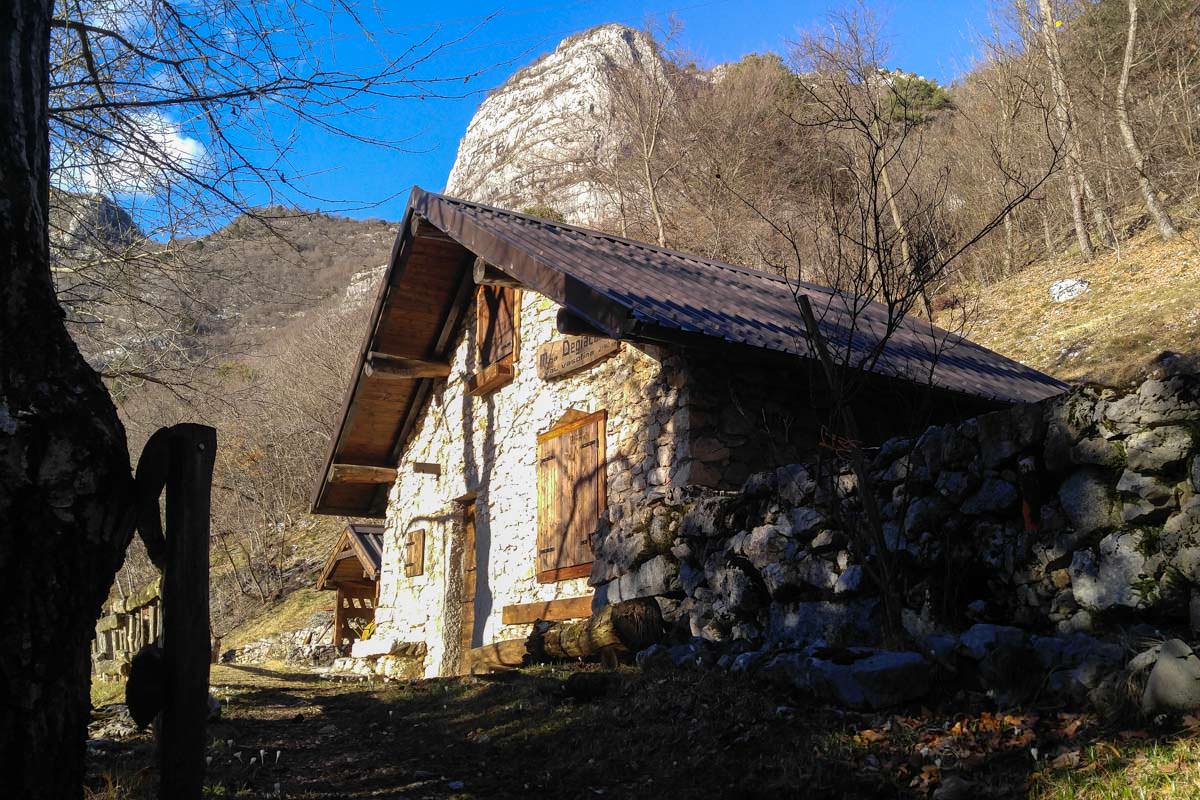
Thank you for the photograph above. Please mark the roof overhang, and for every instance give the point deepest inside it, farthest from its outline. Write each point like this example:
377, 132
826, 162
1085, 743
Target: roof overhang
425, 289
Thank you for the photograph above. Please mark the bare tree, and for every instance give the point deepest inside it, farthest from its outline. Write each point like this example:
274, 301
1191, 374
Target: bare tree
880, 270
1166, 227
645, 112
190, 112
1077, 181
87, 94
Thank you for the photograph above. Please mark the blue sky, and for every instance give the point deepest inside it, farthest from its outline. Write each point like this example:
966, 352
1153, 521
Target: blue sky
930, 38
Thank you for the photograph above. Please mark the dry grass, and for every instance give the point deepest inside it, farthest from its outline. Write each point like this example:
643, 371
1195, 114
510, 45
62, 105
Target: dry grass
1142, 301
106, 692
289, 614
1118, 770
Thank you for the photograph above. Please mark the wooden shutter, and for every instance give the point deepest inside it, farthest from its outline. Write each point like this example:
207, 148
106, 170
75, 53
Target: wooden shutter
571, 495
496, 329
414, 554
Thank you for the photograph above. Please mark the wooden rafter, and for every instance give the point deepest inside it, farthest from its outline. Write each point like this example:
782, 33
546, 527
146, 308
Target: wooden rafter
361, 473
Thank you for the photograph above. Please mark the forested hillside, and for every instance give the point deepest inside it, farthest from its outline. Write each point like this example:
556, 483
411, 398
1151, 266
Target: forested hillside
250, 329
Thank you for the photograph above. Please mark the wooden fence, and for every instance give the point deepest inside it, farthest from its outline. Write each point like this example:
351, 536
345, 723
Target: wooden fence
132, 623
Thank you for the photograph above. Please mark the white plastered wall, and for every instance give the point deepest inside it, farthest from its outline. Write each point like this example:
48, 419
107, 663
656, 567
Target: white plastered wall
486, 446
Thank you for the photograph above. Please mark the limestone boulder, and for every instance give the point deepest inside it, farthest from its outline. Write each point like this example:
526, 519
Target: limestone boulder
1158, 449
1172, 399
796, 484
851, 581
1076, 665
789, 578
1069, 418
764, 545
737, 586
1117, 574
1174, 682
1088, 501
954, 485
703, 518
924, 514
998, 438
995, 496
1148, 487
658, 576
1182, 529
1098, 450
854, 622
875, 679
804, 520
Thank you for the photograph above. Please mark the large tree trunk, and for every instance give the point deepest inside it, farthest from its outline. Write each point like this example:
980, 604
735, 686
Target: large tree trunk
1166, 227
65, 518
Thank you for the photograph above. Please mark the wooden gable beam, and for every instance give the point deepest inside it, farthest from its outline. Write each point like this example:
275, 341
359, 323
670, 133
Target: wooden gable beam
359, 473
385, 366
484, 274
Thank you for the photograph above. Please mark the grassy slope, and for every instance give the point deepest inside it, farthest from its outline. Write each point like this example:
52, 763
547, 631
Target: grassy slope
289, 614
1142, 301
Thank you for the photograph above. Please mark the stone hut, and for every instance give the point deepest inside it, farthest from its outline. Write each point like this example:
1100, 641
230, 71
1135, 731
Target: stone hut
523, 382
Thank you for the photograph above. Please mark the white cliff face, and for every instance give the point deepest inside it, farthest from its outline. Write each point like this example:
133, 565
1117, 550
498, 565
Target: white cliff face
536, 138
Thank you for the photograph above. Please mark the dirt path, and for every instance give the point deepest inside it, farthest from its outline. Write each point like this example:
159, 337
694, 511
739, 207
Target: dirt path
285, 733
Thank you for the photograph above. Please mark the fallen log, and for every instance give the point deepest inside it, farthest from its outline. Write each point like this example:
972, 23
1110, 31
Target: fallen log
624, 627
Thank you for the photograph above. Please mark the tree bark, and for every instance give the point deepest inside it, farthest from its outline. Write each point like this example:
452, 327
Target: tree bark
1166, 227
1075, 177
65, 485
628, 627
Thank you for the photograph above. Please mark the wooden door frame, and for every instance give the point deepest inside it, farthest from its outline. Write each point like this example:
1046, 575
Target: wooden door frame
466, 611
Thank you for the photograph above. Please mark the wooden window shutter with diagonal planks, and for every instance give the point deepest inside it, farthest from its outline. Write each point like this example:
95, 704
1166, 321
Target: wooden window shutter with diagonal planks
571, 494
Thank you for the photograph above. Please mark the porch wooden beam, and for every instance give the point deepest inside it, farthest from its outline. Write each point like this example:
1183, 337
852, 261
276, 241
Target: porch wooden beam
390, 367
360, 473
487, 275
427, 468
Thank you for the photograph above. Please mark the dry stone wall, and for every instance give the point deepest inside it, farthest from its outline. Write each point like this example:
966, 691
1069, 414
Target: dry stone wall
1079, 515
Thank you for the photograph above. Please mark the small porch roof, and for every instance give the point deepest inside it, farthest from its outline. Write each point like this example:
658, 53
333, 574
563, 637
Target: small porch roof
355, 558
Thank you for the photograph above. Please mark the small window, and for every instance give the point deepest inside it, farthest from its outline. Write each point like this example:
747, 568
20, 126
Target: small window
414, 554
571, 494
496, 327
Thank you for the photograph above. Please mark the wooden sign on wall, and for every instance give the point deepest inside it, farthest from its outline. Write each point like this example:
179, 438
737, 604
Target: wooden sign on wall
571, 353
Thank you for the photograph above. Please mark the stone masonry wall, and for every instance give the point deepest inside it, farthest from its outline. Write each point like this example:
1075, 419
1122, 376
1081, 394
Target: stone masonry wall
1111, 480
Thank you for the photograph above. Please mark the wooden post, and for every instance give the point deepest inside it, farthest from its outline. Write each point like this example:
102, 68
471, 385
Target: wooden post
339, 619
185, 611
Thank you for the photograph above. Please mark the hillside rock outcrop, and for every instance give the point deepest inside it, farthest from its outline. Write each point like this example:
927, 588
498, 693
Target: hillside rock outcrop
535, 138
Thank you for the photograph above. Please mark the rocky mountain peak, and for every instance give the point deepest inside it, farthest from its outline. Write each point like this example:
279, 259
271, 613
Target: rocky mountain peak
81, 225
533, 139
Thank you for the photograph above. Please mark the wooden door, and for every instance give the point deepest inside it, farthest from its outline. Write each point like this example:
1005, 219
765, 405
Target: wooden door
468, 583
